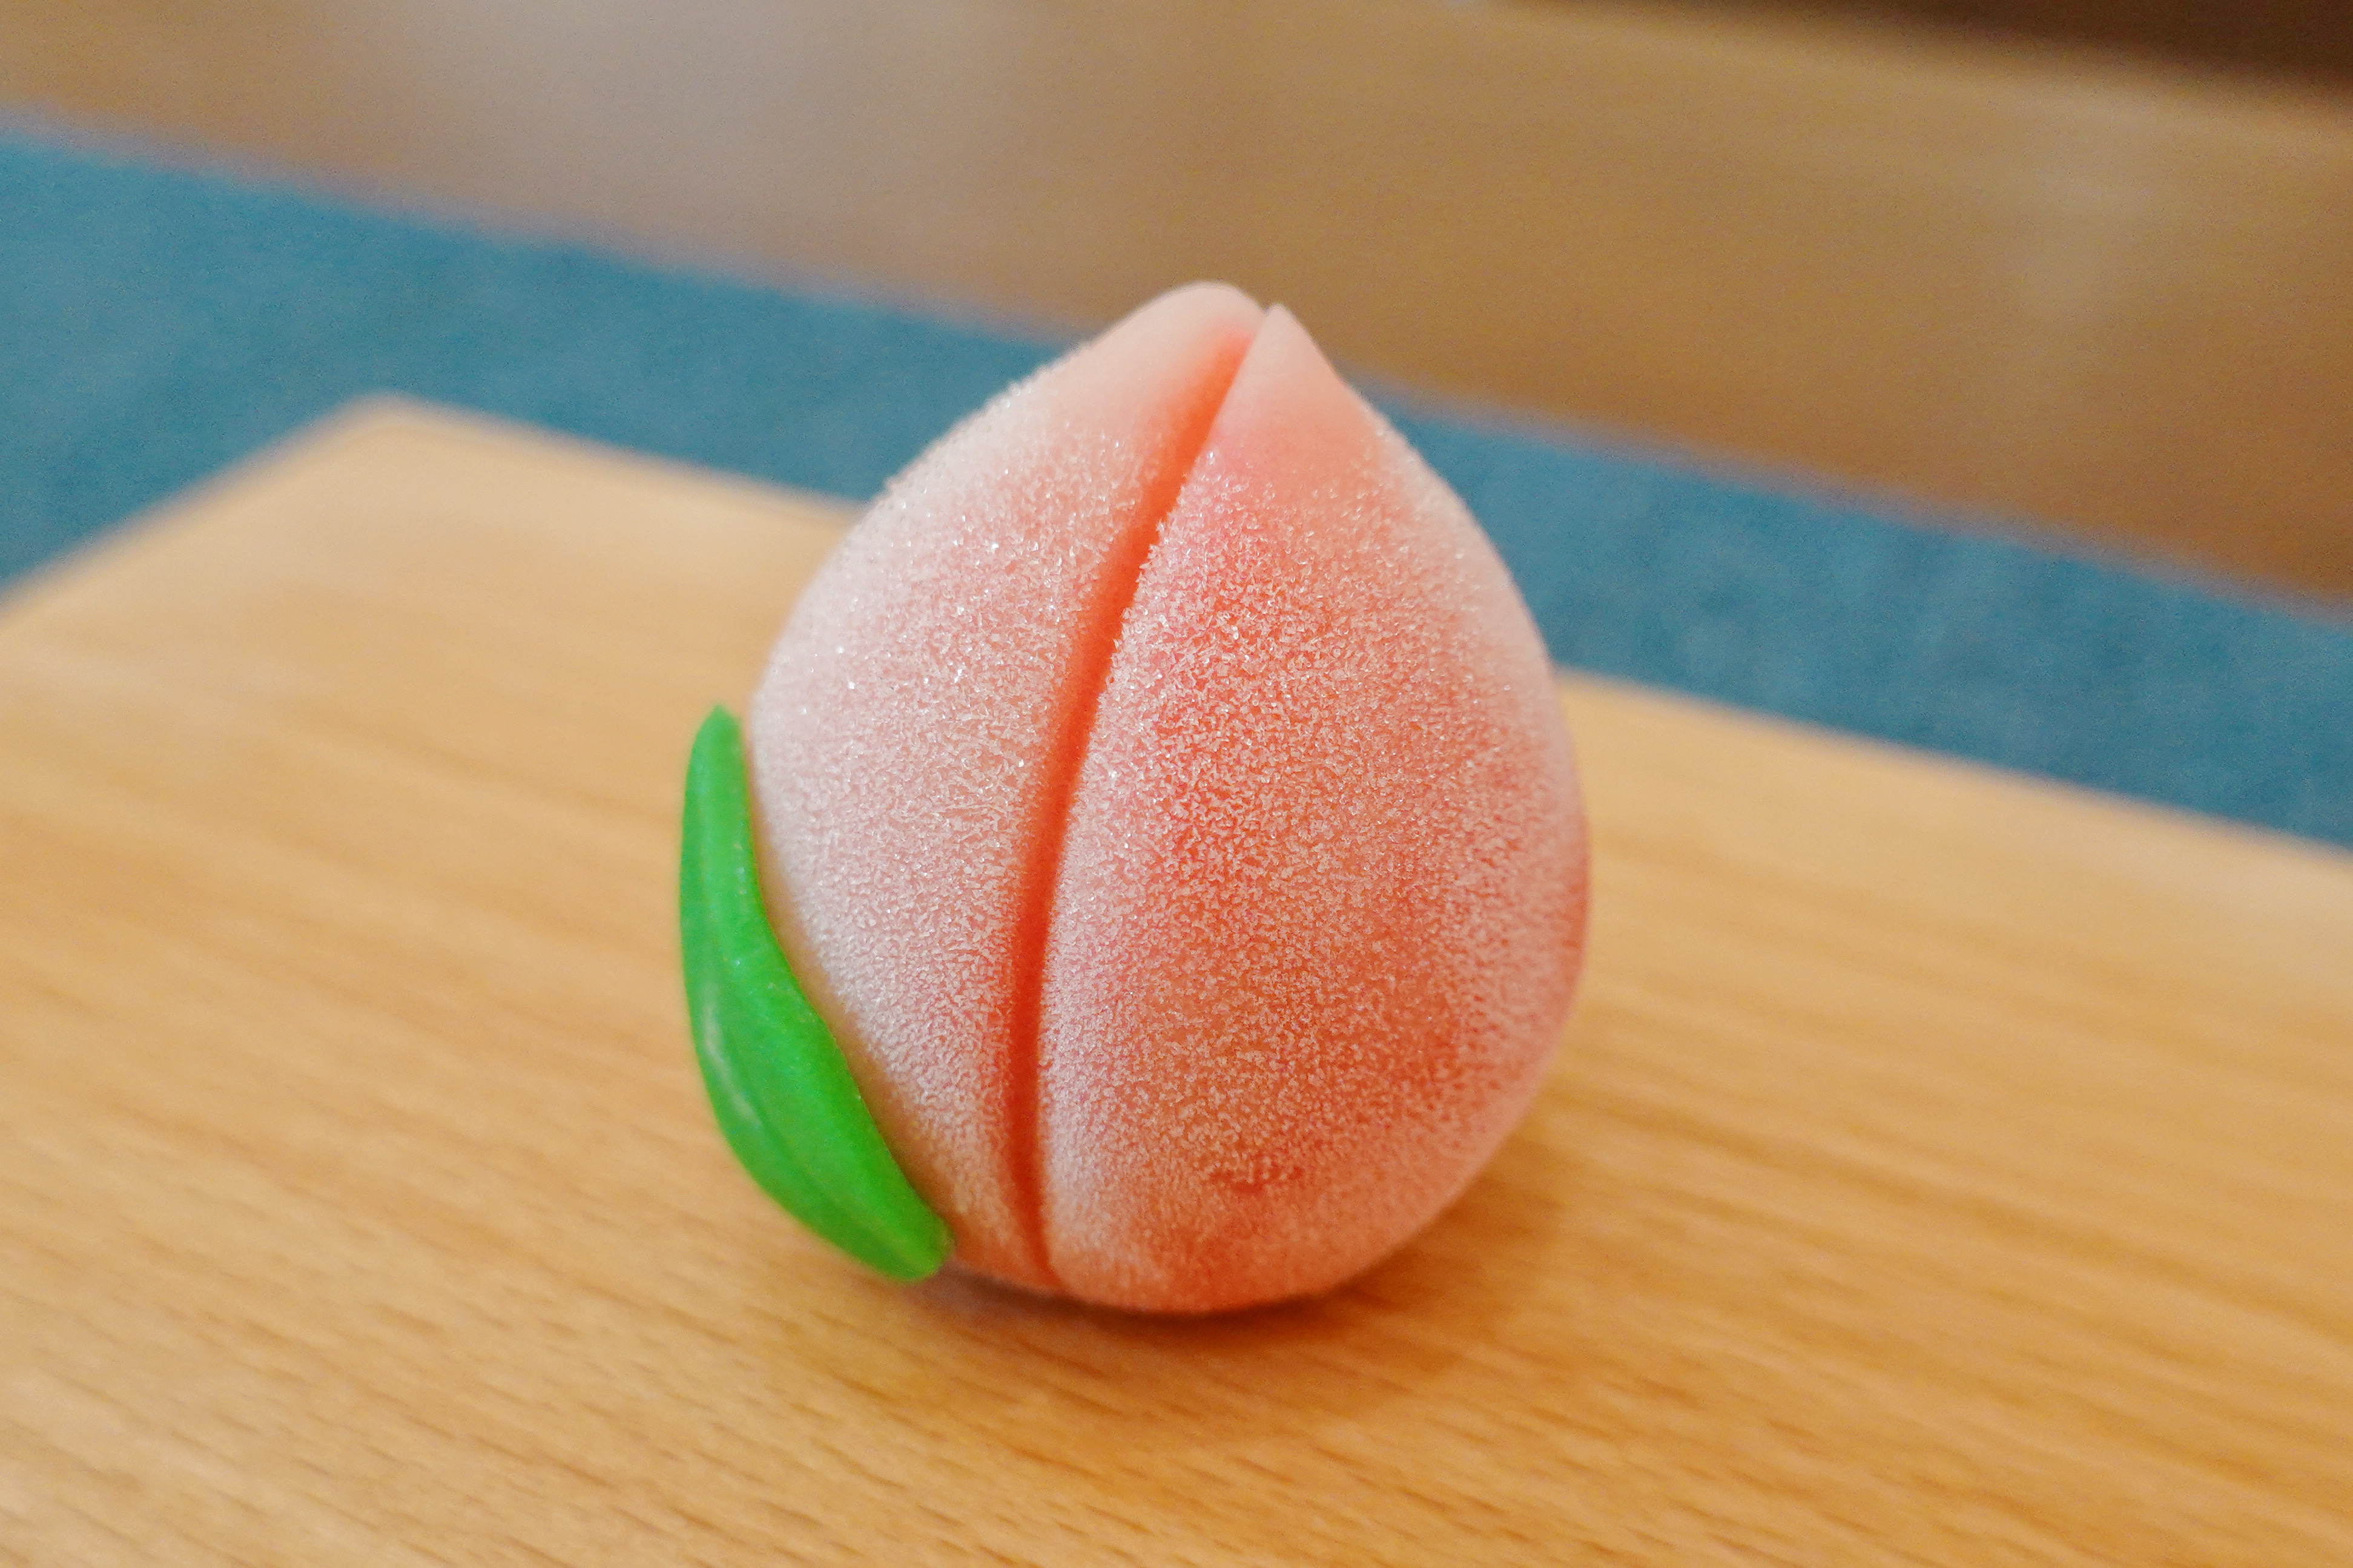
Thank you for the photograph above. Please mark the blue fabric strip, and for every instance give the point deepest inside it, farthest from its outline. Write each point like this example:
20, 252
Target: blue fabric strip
155, 325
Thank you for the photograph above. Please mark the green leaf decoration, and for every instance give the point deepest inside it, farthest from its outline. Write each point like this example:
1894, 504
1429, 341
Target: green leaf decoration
778, 1084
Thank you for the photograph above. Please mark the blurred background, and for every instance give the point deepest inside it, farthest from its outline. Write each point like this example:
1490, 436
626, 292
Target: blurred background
2079, 269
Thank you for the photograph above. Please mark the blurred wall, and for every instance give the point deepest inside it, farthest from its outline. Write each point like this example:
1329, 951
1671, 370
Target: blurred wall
2300, 37
2056, 287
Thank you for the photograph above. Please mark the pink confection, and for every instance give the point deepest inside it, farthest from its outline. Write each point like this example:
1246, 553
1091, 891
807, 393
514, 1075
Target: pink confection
1164, 798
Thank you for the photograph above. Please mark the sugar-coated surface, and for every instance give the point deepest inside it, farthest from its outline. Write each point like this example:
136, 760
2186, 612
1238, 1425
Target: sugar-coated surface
914, 736
1322, 897
1165, 796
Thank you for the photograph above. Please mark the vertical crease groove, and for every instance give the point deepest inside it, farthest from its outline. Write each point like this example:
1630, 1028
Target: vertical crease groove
1072, 740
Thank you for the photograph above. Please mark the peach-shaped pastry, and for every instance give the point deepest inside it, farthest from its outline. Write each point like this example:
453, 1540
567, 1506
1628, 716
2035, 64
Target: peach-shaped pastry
1161, 877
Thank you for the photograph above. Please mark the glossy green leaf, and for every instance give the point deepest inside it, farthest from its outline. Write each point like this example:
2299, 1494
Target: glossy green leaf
778, 1084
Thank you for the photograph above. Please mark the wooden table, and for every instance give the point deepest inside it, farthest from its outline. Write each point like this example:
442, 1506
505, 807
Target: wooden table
1942, 1166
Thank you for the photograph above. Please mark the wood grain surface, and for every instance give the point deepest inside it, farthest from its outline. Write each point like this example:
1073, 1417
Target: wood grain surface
2113, 298
1941, 1168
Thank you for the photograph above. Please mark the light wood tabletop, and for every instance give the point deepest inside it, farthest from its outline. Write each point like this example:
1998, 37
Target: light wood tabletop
2113, 300
1941, 1167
